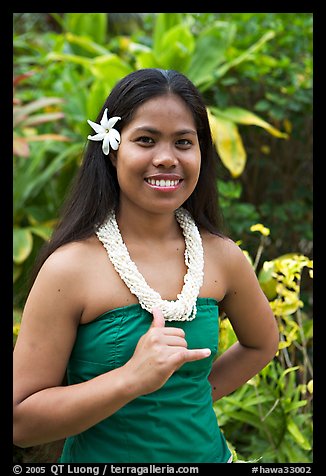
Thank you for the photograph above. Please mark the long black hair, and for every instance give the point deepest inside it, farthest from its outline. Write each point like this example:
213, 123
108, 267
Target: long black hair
95, 189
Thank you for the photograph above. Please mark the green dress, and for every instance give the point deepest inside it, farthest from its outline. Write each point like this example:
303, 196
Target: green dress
175, 424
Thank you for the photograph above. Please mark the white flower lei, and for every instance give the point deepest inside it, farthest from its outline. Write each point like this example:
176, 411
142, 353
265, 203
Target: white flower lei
184, 308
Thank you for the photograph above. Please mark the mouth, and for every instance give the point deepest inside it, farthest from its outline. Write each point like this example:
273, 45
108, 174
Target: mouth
163, 183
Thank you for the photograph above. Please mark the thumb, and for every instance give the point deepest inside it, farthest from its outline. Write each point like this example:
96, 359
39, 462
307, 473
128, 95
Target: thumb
158, 318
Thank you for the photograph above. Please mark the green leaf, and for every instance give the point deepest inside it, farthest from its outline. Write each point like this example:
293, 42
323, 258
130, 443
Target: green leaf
17, 271
164, 22
246, 55
69, 58
93, 25
146, 59
87, 44
109, 68
209, 52
177, 45
297, 435
42, 231
22, 244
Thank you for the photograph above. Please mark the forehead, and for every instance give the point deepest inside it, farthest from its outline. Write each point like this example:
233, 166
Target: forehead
167, 108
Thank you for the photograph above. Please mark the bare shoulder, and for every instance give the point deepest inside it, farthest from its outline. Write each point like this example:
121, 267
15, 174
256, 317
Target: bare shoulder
62, 278
222, 248
68, 259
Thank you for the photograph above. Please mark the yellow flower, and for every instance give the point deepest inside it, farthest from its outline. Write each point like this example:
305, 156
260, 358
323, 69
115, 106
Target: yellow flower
261, 228
310, 386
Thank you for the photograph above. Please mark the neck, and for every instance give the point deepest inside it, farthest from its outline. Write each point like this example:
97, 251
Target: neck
146, 225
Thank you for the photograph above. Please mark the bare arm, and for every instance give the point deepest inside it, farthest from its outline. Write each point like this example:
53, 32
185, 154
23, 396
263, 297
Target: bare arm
253, 322
44, 410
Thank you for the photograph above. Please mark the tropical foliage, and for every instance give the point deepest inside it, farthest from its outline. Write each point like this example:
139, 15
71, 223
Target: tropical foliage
255, 74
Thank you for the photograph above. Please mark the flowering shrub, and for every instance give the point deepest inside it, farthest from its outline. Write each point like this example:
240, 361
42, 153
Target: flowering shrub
270, 417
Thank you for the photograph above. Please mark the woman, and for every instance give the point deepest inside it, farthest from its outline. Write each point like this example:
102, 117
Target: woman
128, 291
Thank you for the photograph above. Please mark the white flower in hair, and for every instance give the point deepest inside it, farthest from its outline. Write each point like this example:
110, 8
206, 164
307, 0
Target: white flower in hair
105, 132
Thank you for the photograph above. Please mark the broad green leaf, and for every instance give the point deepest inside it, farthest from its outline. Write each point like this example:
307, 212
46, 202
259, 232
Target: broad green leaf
109, 68
245, 417
177, 46
297, 435
93, 25
146, 59
163, 23
22, 244
87, 44
243, 116
228, 144
24, 189
289, 407
69, 58
209, 52
42, 231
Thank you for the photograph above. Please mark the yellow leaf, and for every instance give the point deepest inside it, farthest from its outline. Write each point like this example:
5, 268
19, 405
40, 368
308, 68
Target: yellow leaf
310, 386
243, 116
22, 244
228, 144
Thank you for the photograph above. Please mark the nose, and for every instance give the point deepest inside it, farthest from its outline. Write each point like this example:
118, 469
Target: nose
165, 157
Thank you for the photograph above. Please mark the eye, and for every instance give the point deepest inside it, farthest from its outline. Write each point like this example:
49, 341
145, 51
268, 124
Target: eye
184, 143
145, 140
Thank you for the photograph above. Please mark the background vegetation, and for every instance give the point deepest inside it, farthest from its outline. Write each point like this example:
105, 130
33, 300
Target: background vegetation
255, 73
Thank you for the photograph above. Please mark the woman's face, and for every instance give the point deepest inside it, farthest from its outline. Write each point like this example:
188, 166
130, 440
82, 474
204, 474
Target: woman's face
158, 160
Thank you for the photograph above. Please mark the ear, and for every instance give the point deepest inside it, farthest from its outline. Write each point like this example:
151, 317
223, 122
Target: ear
113, 157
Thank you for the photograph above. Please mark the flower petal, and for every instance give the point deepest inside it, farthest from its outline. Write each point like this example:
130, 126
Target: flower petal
99, 136
104, 121
114, 137
95, 126
112, 121
106, 144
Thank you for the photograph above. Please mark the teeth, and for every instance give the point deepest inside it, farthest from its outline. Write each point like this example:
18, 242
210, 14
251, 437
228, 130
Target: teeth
163, 183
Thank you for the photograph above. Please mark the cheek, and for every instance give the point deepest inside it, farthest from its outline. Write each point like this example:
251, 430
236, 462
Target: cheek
130, 166
193, 166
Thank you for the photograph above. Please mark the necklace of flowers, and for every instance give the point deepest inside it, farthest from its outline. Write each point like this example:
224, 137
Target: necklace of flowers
182, 309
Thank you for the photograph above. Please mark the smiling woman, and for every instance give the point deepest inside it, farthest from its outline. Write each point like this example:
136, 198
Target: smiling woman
143, 271
158, 145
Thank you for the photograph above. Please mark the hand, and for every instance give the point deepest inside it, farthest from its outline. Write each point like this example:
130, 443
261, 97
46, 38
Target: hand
159, 353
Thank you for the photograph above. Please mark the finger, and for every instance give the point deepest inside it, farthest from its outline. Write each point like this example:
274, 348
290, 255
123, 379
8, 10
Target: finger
190, 355
174, 331
175, 341
197, 354
158, 318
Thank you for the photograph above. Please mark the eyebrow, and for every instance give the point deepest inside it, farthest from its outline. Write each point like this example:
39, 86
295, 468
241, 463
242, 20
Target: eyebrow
151, 130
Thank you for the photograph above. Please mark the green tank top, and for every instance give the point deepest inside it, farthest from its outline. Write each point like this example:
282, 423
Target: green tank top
174, 424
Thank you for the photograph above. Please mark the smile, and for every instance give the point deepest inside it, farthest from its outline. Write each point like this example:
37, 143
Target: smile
162, 183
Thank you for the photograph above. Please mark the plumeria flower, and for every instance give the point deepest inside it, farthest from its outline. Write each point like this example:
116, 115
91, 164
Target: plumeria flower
105, 132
